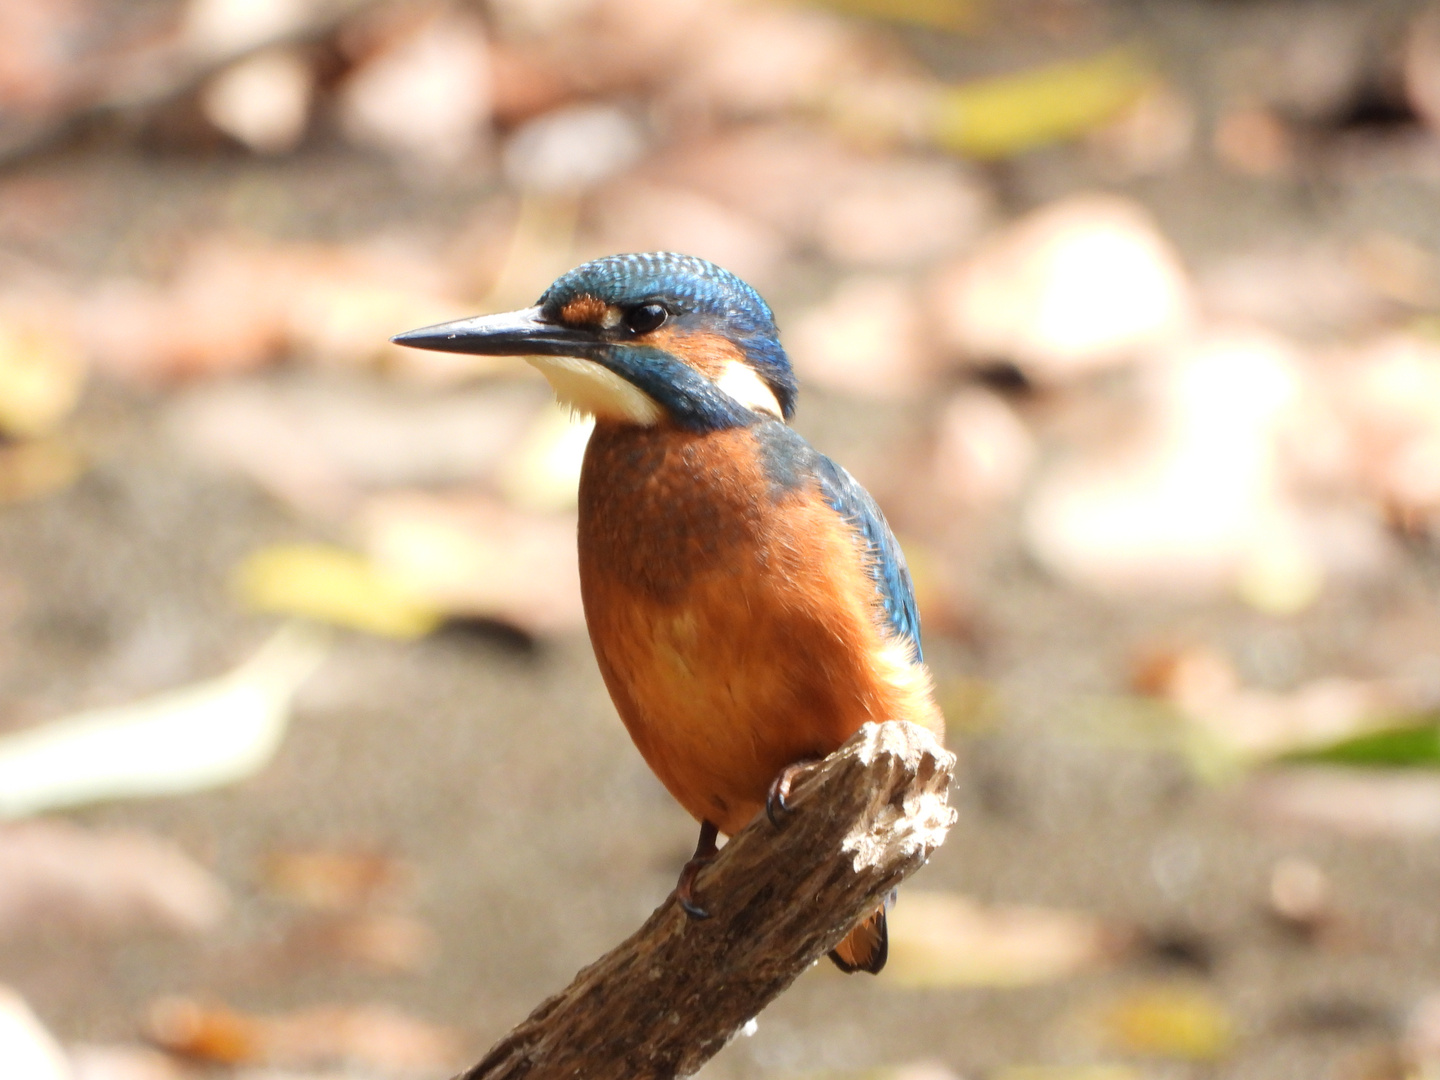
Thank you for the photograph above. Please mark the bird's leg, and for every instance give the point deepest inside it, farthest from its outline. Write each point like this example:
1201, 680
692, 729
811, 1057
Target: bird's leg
776, 808
705, 852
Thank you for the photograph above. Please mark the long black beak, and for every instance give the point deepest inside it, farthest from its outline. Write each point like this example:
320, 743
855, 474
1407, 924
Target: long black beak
512, 333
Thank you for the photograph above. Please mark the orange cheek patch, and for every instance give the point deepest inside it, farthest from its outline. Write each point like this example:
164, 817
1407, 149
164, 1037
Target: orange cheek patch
585, 311
706, 353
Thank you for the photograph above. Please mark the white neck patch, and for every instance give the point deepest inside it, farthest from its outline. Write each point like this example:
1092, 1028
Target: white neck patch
739, 381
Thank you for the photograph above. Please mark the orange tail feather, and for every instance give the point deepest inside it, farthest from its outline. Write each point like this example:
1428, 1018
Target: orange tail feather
865, 947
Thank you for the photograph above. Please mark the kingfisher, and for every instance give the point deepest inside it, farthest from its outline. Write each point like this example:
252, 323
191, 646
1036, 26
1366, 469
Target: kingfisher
748, 605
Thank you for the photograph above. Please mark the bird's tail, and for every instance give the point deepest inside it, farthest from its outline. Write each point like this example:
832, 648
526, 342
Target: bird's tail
866, 946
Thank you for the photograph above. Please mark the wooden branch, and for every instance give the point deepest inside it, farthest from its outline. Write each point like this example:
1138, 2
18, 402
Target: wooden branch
665, 1001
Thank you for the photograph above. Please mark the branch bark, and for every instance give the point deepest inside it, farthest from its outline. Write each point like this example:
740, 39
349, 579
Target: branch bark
666, 1000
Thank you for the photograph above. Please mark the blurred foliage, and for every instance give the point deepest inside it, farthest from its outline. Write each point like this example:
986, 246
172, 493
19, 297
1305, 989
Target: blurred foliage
1011, 114
1412, 744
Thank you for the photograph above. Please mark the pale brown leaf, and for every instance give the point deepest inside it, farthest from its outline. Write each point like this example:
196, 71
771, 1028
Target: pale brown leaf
367, 1036
56, 874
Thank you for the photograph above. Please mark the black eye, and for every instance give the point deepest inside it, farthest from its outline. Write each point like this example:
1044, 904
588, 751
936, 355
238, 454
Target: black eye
646, 317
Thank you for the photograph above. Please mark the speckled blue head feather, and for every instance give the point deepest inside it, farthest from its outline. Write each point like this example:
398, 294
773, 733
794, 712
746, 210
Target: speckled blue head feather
688, 286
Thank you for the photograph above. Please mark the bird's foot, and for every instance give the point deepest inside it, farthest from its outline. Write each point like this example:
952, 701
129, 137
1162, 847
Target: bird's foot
777, 808
705, 852
685, 888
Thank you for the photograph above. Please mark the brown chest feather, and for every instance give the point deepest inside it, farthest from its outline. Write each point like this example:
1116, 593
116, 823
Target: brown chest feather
659, 508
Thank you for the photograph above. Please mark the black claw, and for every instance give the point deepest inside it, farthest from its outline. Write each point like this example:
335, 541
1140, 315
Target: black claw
777, 800
705, 852
776, 808
694, 910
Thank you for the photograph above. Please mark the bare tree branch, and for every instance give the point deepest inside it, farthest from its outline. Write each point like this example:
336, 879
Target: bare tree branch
665, 1001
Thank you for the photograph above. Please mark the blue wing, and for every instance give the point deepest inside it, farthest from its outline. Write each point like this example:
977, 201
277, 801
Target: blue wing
892, 575
791, 462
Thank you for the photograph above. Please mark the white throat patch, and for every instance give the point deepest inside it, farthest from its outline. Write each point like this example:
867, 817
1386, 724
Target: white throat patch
592, 389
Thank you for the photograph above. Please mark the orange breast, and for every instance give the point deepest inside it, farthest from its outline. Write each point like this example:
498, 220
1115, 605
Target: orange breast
736, 626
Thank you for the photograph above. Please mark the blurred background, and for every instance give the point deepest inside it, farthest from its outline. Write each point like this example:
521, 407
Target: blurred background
1128, 311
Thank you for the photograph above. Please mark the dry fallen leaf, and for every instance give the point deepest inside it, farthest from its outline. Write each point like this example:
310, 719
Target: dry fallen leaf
542, 472
635, 215
1391, 400
263, 100
760, 60
388, 942
1151, 136
27, 1050
1398, 268
777, 173
230, 27
1422, 1034
333, 585
1076, 286
1191, 501
951, 15
526, 79
535, 244
1068, 1072
1422, 67
41, 370
101, 1061
1353, 802
864, 210
352, 895
869, 338
368, 1037
606, 48
1311, 289
941, 939
189, 739
379, 940
571, 149
1253, 725
53, 873
44, 46
971, 706
38, 467
898, 211
471, 556
321, 445
1300, 894
983, 452
424, 95
222, 313
1254, 141
1010, 114
234, 304
335, 880
1315, 66
1169, 1021
913, 1070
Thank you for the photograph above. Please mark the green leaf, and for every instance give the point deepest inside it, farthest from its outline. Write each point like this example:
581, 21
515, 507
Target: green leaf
1405, 746
1010, 114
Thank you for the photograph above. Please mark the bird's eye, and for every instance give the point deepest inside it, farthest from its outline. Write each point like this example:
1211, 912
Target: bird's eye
646, 317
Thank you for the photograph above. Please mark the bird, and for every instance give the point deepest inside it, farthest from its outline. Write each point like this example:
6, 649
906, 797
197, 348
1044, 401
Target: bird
748, 605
